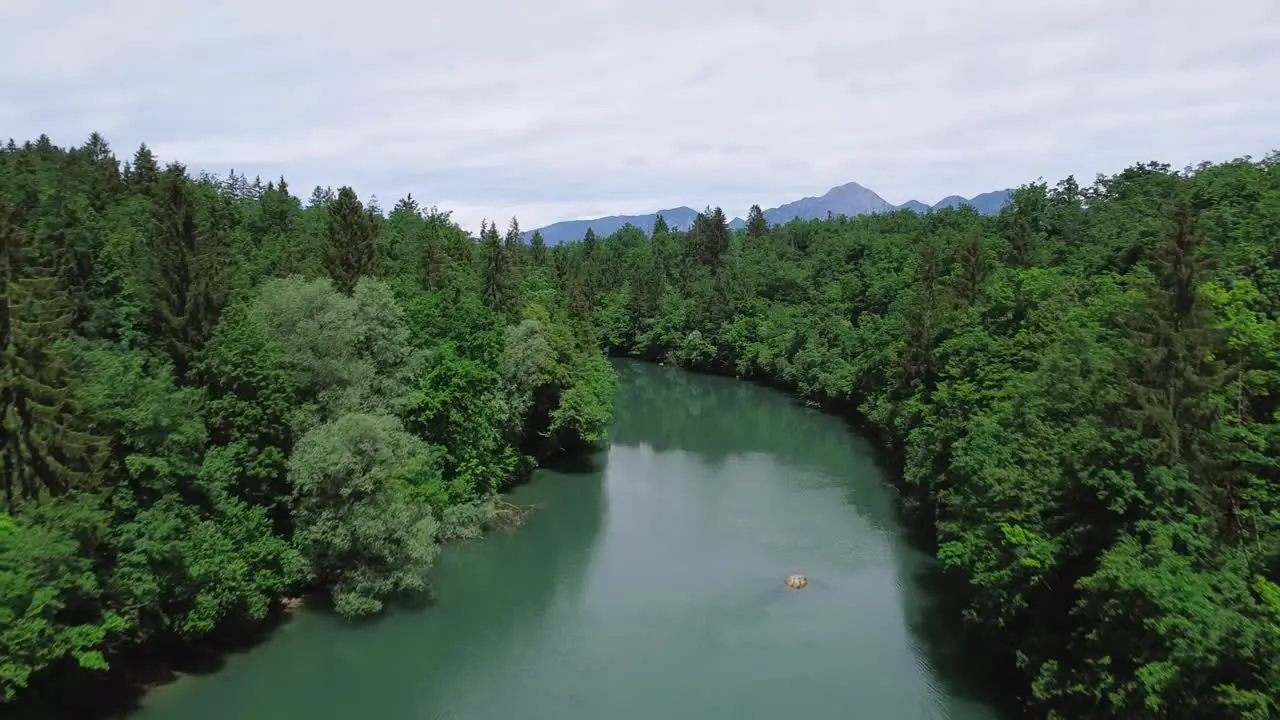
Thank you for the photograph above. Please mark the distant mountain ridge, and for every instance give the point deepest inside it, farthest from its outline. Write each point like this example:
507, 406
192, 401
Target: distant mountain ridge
848, 199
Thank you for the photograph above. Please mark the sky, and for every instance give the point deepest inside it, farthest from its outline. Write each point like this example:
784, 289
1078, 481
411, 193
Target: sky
569, 109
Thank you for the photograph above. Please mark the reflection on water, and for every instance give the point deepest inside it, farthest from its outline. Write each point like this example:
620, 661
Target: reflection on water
648, 585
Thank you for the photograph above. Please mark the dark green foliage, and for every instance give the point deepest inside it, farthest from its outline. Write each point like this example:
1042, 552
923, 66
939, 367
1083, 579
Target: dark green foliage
214, 398
709, 238
498, 278
350, 240
757, 226
1083, 395
1081, 392
538, 247
46, 447
182, 266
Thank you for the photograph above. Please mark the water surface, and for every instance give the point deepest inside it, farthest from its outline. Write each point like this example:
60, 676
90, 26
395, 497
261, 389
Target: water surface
648, 585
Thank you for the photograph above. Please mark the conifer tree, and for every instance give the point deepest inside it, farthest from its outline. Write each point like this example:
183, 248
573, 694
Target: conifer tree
922, 315
665, 250
320, 197
497, 269
1023, 224
45, 446
710, 238
406, 206
350, 241
183, 265
538, 246
1174, 337
971, 269
660, 226
144, 172
513, 241
514, 245
435, 260
101, 181
757, 226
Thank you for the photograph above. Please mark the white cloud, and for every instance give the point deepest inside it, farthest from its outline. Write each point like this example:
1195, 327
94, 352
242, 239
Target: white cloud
560, 110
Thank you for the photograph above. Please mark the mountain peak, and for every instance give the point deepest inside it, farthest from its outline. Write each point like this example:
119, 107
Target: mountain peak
849, 187
850, 199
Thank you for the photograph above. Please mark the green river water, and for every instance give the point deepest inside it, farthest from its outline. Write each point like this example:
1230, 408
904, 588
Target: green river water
649, 584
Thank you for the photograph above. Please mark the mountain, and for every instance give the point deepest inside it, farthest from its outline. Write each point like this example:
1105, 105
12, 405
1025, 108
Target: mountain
914, 206
990, 203
848, 199
678, 218
950, 201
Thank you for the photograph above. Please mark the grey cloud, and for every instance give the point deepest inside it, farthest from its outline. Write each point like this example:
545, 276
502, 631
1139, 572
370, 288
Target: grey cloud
558, 110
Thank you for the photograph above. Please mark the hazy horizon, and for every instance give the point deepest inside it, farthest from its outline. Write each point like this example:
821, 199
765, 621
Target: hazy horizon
494, 108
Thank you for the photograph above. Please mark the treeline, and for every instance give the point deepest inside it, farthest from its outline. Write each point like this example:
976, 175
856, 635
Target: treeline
1083, 394
214, 397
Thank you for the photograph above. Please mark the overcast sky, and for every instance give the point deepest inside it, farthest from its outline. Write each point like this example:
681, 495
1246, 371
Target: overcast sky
562, 109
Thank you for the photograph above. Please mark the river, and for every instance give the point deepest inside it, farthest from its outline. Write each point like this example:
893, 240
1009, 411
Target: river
649, 584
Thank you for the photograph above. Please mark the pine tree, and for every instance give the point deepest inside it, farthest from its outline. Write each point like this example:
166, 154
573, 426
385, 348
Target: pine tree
757, 226
280, 211
710, 238
143, 172
922, 315
665, 250
183, 266
101, 180
406, 206
1174, 335
1022, 222
497, 269
320, 197
660, 226
435, 260
971, 269
45, 445
350, 241
646, 285
538, 246
513, 241
514, 244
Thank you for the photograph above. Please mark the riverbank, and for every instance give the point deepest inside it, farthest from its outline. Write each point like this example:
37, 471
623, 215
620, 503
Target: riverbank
134, 675
649, 584
915, 513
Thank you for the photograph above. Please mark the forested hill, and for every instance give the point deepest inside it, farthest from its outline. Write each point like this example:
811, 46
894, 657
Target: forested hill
1083, 393
215, 397
848, 199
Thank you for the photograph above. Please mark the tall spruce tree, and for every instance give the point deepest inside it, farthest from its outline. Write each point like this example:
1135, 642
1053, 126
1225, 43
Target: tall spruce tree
513, 241
497, 269
1174, 339
183, 265
435, 259
538, 248
143, 172
46, 448
710, 238
757, 226
350, 241
971, 269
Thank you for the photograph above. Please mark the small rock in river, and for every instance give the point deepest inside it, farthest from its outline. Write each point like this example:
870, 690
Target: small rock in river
796, 582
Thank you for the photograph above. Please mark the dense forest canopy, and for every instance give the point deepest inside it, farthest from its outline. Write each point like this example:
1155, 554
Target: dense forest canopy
215, 396
1082, 393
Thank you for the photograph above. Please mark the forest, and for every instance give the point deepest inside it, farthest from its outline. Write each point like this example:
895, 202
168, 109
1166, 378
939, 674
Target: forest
1080, 398
217, 400
217, 397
